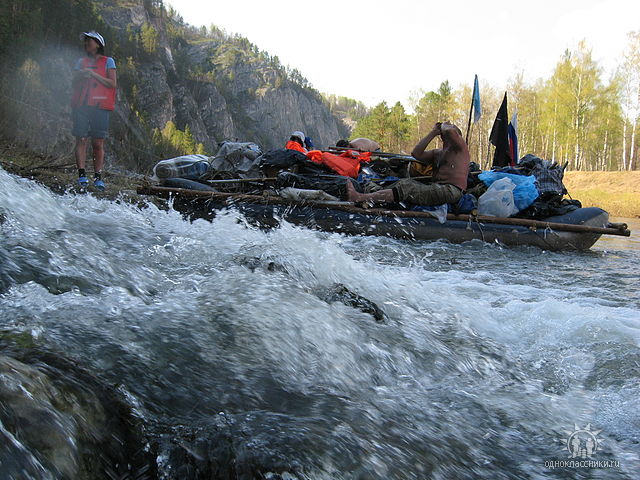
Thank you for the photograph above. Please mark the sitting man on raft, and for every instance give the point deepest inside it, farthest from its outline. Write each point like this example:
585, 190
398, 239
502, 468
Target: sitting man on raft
450, 167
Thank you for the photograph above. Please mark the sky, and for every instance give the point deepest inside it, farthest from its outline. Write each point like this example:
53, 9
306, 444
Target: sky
373, 50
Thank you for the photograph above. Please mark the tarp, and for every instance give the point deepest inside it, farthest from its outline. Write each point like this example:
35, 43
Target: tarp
238, 158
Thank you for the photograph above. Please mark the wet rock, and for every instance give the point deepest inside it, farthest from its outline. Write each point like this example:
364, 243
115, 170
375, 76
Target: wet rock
340, 293
243, 447
61, 425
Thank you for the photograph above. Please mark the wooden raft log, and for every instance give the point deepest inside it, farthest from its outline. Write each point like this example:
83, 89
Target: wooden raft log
229, 198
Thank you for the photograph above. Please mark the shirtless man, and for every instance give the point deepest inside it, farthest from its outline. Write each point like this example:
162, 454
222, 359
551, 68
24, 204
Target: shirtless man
450, 166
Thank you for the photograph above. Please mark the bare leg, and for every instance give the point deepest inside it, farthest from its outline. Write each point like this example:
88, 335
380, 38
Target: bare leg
81, 151
381, 196
97, 144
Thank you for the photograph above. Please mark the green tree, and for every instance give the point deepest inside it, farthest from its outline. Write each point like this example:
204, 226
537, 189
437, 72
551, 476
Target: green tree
398, 130
375, 125
149, 38
434, 107
630, 70
388, 126
171, 141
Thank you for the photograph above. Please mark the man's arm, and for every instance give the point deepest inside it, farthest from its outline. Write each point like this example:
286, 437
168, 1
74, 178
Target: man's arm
419, 152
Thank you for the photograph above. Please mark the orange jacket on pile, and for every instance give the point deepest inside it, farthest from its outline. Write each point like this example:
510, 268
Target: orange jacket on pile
346, 164
293, 145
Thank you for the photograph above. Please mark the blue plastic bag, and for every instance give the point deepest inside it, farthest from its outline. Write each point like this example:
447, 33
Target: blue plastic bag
525, 192
466, 204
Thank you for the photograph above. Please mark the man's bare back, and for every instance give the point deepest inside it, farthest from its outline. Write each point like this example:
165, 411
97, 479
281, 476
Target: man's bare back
450, 164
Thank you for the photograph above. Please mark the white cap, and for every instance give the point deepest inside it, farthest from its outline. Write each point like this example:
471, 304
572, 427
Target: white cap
300, 135
93, 34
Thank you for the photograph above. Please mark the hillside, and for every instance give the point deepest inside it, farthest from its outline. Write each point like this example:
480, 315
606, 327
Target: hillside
179, 86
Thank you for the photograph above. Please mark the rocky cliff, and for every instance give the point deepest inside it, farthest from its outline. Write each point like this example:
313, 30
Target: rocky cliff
211, 85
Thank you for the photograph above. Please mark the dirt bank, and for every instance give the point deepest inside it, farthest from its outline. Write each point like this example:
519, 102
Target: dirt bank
60, 175
616, 192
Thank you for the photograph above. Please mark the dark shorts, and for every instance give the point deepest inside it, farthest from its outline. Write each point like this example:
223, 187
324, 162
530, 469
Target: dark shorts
412, 191
90, 122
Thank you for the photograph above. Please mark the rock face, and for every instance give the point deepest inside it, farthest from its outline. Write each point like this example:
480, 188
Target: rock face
220, 87
53, 425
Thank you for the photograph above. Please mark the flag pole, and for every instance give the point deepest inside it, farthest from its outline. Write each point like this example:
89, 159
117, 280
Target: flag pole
473, 93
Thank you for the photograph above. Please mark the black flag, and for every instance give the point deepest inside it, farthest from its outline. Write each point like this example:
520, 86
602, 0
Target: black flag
500, 136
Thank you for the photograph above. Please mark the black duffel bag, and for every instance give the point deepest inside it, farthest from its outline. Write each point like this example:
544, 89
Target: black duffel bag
281, 159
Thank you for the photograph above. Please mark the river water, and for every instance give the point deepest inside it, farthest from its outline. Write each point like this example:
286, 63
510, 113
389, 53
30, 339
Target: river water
487, 360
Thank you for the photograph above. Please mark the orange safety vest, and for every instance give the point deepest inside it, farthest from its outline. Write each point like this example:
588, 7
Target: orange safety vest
91, 92
343, 164
293, 145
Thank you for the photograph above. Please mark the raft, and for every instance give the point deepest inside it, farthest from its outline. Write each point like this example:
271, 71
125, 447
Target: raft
577, 230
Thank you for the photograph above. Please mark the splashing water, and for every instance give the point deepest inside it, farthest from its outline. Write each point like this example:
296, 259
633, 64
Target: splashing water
486, 357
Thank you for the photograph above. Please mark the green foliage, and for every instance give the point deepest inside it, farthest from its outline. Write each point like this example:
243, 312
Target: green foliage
399, 124
149, 38
173, 142
433, 107
630, 96
572, 117
26, 25
387, 126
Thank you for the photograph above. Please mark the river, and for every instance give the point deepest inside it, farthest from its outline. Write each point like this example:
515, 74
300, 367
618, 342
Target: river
488, 359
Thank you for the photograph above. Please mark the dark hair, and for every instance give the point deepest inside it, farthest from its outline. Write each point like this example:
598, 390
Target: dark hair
342, 143
296, 139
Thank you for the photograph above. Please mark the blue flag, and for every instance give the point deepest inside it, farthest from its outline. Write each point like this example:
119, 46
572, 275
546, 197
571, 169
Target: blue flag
477, 109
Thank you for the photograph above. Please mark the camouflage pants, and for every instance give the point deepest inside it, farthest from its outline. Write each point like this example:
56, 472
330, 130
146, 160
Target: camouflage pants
412, 191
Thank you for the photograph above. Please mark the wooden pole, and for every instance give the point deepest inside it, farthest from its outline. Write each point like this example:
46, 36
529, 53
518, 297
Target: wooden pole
399, 156
353, 208
373, 154
242, 180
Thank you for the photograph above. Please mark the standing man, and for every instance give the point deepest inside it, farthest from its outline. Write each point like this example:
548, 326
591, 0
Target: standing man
450, 166
94, 96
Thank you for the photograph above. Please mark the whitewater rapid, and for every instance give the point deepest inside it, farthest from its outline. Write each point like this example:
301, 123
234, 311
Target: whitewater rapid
486, 358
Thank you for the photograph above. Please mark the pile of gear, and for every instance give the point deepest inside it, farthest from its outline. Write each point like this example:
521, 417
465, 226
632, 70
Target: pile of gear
531, 189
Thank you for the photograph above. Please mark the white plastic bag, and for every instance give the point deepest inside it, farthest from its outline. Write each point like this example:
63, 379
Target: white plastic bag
440, 212
498, 200
192, 167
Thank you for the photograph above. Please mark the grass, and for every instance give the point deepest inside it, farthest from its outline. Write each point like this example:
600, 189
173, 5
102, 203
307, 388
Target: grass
616, 192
